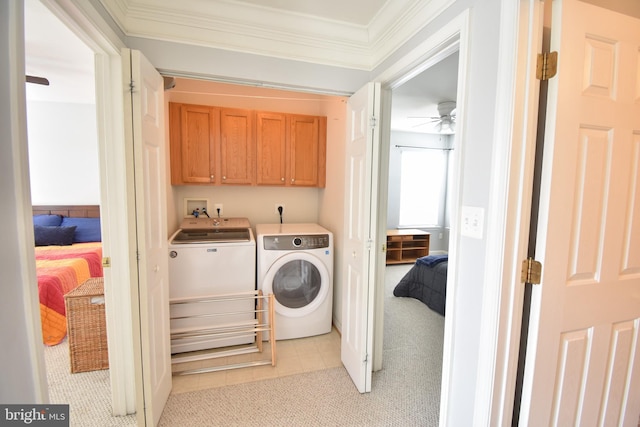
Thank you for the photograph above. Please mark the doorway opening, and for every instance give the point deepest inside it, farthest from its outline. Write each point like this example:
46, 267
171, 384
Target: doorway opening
114, 210
416, 134
63, 145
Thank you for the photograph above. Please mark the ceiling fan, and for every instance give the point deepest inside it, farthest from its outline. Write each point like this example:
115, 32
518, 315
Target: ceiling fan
446, 121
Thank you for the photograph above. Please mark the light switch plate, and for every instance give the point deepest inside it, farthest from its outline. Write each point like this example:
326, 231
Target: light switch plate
472, 222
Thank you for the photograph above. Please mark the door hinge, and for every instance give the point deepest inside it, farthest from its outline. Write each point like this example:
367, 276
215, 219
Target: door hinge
373, 121
547, 65
106, 262
131, 86
531, 271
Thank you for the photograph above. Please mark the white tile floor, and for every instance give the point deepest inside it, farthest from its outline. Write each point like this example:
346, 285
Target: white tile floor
292, 357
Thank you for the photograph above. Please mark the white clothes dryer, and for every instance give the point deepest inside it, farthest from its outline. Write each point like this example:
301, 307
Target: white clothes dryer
295, 263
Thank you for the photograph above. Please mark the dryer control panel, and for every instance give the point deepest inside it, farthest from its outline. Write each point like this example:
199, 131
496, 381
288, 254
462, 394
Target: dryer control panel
293, 242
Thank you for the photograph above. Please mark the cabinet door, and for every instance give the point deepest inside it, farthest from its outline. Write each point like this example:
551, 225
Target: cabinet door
198, 151
271, 148
307, 151
236, 147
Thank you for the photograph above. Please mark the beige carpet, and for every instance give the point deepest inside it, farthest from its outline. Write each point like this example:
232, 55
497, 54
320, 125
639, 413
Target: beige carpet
87, 393
406, 392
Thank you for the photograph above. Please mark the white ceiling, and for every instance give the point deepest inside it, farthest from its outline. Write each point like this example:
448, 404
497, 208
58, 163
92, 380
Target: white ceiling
359, 12
56, 53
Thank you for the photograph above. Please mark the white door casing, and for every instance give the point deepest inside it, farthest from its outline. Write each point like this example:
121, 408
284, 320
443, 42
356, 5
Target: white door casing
145, 102
582, 356
363, 139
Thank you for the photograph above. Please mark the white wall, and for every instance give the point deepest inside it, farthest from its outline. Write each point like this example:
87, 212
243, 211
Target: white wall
197, 60
476, 151
22, 375
63, 153
331, 198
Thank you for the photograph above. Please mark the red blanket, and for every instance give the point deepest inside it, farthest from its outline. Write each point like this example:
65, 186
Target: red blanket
61, 269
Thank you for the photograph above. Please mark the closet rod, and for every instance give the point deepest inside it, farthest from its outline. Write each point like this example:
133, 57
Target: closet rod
423, 148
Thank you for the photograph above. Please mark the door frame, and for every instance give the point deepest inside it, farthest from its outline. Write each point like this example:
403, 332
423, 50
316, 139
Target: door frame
516, 121
116, 211
454, 36
510, 198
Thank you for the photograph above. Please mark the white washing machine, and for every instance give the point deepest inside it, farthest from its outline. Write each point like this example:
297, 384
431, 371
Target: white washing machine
210, 257
295, 263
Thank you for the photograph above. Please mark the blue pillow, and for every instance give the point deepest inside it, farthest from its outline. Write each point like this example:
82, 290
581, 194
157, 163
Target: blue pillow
50, 220
87, 229
47, 235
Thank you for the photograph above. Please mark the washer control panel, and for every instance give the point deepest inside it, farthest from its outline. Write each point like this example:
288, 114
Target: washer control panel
296, 242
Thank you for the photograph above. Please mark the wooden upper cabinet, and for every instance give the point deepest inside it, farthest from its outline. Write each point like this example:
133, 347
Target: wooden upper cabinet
271, 145
227, 146
194, 145
236, 146
307, 150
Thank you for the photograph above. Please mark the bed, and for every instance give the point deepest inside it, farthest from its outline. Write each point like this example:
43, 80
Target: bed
68, 252
426, 281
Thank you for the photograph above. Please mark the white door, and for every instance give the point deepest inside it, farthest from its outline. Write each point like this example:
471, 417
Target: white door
363, 139
147, 108
582, 365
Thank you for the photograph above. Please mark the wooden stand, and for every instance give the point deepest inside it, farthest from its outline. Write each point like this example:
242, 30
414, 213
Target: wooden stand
405, 246
255, 328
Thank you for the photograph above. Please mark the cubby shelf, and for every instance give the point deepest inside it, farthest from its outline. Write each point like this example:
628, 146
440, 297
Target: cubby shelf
405, 246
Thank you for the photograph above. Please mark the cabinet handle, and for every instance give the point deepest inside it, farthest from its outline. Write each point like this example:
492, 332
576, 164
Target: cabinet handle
212, 177
293, 180
224, 177
282, 179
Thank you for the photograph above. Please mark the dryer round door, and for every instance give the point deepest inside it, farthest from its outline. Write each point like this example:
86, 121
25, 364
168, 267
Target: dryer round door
299, 282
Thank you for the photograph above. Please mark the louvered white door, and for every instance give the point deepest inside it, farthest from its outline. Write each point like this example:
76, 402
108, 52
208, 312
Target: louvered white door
582, 365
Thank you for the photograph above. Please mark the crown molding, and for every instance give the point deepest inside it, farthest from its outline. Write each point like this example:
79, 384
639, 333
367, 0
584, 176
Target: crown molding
387, 35
248, 28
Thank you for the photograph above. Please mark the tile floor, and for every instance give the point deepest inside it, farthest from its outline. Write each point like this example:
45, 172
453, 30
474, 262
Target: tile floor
292, 357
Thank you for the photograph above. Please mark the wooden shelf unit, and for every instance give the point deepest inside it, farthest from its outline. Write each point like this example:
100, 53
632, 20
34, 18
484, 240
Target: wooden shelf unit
405, 246
255, 328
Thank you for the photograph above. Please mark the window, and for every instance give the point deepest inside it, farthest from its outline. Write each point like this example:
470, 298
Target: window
423, 178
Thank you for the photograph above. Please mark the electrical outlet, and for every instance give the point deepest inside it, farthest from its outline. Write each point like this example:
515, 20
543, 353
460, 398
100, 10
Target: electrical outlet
277, 206
215, 210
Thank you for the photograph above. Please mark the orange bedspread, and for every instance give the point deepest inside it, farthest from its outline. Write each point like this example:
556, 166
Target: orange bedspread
61, 269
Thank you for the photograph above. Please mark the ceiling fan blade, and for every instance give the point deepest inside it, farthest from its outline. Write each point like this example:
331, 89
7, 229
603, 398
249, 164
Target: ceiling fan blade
37, 80
424, 124
433, 118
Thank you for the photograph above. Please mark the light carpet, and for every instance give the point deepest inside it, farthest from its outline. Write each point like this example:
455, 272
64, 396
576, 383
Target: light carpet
87, 393
406, 392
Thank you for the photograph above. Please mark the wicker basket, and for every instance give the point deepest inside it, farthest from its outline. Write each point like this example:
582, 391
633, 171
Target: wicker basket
86, 327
